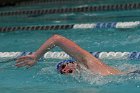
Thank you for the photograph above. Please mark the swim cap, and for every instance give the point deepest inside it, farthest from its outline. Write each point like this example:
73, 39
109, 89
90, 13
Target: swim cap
62, 62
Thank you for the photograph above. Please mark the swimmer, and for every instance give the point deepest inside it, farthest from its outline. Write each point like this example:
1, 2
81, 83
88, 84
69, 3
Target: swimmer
79, 55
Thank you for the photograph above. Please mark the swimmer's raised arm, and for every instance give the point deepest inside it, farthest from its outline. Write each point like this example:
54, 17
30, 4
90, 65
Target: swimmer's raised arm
71, 48
56, 40
65, 44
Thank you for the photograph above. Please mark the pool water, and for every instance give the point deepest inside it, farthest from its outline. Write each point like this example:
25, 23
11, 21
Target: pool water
43, 77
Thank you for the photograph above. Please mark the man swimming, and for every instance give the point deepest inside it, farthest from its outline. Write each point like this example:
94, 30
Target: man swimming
79, 55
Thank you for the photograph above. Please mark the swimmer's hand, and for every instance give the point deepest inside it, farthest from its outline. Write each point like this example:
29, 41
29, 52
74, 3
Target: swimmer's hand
28, 61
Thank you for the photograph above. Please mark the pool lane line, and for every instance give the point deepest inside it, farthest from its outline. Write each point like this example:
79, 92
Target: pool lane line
34, 28
110, 7
62, 55
99, 25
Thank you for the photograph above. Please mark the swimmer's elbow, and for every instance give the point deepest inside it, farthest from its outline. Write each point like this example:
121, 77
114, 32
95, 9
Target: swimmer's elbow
56, 37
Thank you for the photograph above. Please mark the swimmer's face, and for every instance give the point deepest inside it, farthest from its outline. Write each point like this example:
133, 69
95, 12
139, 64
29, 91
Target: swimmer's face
68, 68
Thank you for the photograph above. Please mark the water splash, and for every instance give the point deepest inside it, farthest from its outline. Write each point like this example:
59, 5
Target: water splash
97, 80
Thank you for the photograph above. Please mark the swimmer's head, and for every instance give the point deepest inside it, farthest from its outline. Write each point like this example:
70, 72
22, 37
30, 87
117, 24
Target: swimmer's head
66, 66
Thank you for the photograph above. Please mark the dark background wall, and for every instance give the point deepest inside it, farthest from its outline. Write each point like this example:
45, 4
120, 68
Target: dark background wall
11, 2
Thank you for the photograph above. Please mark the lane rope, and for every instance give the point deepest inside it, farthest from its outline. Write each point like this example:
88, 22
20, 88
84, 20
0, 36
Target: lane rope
62, 55
100, 25
107, 7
